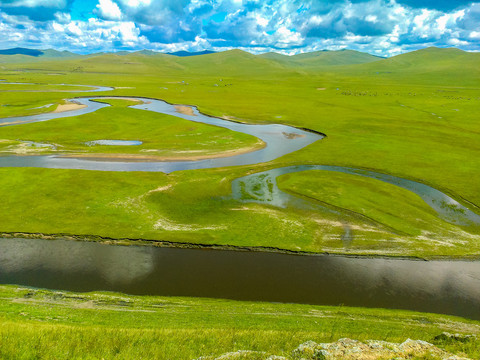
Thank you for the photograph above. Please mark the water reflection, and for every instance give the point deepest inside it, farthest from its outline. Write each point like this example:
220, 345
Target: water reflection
57, 258
451, 287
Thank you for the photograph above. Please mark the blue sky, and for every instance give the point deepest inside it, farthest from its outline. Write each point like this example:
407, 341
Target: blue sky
381, 27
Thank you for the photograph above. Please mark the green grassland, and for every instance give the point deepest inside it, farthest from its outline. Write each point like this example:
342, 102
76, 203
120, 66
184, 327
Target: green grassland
42, 324
414, 116
396, 208
162, 135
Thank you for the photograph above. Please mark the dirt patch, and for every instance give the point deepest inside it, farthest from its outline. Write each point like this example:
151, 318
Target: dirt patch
321, 89
186, 110
69, 106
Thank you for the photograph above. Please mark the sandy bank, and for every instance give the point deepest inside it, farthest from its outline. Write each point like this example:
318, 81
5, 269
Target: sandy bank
69, 106
186, 110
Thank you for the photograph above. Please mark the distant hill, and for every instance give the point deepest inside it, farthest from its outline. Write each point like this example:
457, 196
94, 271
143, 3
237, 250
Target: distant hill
231, 62
58, 54
341, 57
21, 51
188, 53
37, 53
430, 55
322, 58
429, 65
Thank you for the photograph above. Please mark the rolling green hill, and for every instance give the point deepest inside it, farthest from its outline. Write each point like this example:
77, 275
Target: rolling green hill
22, 55
426, 66
341, 57
319, 59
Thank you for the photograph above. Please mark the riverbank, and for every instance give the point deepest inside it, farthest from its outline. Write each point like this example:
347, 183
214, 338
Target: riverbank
111, 325
225, 247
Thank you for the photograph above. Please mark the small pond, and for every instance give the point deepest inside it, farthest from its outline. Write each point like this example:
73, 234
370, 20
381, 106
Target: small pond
114, 142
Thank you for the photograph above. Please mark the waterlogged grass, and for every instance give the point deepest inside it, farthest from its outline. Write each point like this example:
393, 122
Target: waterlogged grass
46, 324
390, 205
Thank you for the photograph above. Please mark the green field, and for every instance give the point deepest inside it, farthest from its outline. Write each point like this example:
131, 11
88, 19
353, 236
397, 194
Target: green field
412, 116
163, 136
42, 324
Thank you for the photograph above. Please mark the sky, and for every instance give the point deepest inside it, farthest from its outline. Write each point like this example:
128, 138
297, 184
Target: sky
379, 27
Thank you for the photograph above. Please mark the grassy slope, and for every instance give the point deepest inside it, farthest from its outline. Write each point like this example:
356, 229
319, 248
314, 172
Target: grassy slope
406, 116
45, 324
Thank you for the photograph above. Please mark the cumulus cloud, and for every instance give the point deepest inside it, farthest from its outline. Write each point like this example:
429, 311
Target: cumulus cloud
382, 27
39, 10
109, 10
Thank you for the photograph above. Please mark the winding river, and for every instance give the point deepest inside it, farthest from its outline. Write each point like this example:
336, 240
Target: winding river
312, 280
279, 139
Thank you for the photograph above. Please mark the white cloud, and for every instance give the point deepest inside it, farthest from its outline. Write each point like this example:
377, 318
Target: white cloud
261, 21
137, 3
59, 4
74, 29
474, 35
127, 31
457, 42
63, 17
422, 19
109, 10
379, 26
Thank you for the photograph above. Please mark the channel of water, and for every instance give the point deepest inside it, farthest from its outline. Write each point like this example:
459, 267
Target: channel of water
449, 287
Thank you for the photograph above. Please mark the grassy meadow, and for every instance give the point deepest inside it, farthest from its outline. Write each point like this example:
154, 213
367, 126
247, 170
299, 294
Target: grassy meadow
412, 116
44, 324
162, 135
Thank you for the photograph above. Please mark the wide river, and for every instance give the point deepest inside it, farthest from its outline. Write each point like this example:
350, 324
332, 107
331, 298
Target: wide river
451, 287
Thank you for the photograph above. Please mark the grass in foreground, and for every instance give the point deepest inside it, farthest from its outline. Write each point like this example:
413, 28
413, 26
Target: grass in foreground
45, 324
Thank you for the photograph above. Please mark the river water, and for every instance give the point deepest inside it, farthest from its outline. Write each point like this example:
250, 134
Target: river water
449, 287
